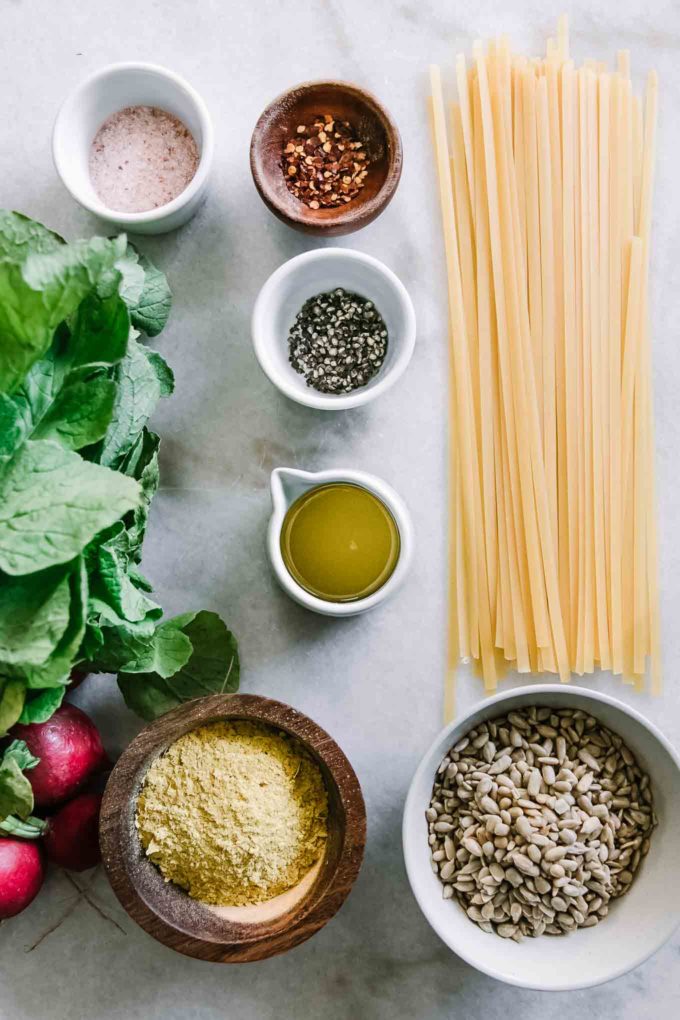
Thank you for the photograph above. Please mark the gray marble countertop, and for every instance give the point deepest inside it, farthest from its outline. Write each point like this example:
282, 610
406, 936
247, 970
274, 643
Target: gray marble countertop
375, 682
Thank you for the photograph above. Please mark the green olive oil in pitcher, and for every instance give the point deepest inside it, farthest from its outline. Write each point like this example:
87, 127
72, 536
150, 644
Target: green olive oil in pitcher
340, 542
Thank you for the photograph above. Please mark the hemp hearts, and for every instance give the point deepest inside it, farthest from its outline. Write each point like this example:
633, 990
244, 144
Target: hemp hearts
338, 341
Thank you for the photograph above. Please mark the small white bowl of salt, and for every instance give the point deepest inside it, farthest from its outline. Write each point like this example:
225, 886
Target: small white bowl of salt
134, 145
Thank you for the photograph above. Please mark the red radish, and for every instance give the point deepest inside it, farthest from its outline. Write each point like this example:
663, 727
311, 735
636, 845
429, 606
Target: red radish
72, 837
21, 875
70, 750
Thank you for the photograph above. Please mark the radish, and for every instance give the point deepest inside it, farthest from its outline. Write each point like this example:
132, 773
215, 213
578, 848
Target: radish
21, 875
72, 837
70, 750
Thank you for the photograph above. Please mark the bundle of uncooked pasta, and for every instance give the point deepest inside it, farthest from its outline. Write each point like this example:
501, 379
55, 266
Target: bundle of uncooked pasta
546, 173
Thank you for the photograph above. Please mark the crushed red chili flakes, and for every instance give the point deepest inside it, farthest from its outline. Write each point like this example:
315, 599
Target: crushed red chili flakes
325, 164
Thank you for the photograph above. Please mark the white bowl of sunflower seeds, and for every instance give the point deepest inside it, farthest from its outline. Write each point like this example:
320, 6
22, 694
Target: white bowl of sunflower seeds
540, 837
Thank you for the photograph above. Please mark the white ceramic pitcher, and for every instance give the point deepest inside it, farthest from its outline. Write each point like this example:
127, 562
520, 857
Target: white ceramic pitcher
287, 485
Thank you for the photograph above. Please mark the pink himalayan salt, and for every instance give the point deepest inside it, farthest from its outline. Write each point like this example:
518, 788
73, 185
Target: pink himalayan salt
142, 158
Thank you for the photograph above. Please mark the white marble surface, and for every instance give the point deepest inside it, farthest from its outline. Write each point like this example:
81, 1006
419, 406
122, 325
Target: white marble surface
375, 682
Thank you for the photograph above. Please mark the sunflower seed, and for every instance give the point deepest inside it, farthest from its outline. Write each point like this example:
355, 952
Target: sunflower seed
500, 765
447, 870
525, 864
524, 827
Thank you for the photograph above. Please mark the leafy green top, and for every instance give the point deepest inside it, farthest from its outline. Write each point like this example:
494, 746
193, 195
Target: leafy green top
78, 471
16, 795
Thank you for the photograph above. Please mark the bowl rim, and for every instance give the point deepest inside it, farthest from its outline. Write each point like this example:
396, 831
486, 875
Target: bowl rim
414, 866
354, 218
309, 397
195, 185
326, 895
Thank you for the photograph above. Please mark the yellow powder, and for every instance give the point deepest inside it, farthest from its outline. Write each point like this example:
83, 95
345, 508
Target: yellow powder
233, 812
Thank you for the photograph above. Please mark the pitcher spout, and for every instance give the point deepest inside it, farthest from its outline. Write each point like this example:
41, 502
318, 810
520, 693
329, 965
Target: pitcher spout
287, 484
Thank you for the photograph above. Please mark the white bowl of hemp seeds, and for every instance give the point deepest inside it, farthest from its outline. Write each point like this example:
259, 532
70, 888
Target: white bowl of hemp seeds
540, 837
333, 328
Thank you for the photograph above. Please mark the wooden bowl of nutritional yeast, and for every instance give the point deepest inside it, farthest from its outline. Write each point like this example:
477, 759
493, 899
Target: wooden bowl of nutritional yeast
193, 928
371, 124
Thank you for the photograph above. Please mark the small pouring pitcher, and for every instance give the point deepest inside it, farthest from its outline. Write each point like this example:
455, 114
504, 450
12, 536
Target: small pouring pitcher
287, 485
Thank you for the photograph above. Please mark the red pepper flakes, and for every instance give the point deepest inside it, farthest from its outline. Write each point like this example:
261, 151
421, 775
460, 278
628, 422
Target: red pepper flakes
325, 164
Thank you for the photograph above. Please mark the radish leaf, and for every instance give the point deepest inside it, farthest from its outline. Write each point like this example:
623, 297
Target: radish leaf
99, 332
16, 795
12, 697
52, 503
40, 291
138, 390
34, 614
212, 668
56, 670
41, 705
151, 311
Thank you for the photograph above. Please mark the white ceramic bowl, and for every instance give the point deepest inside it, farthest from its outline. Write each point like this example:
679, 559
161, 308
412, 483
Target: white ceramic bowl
287, 485
637, 924
314, 272
107, 91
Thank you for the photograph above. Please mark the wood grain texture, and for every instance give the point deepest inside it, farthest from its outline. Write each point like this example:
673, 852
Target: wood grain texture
373, 125
164, 910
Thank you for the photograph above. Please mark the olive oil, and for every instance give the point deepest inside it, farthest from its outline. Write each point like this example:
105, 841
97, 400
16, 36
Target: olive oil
340, 542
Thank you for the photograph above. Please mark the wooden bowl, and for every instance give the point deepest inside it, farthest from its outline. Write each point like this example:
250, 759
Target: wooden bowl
163, 909
374, 126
